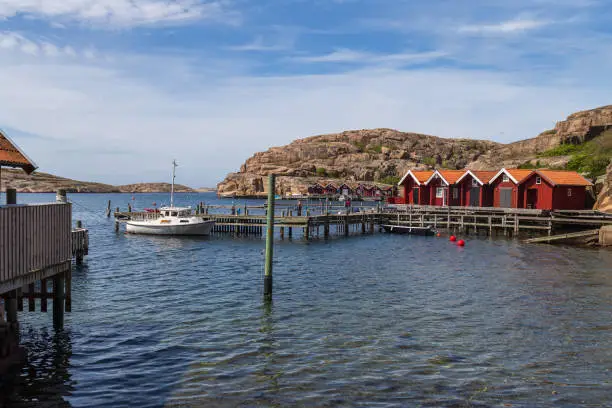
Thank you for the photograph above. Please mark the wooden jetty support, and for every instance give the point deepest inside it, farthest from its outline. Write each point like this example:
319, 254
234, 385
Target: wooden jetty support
37, 244
593, 234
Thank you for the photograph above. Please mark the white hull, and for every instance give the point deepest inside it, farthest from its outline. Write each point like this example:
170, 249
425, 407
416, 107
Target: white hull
154, 228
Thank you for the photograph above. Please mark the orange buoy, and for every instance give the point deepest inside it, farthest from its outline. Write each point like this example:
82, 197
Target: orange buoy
438, 235
453, 238
461, 243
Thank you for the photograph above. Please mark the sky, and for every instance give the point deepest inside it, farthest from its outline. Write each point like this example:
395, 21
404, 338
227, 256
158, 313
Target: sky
114, 90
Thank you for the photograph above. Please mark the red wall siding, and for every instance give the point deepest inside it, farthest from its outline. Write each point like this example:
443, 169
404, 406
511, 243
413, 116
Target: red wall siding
433, 185
561, 201
544, 193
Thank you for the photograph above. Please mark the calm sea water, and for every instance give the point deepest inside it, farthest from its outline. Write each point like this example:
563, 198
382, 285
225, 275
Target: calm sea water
376, 321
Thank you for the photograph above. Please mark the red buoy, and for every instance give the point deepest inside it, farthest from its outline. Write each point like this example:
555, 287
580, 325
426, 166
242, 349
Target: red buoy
438, 235
461, 243
453, 238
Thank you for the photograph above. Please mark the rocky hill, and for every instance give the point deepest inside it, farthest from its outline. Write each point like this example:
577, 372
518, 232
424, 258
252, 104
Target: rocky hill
384, 155
39, 182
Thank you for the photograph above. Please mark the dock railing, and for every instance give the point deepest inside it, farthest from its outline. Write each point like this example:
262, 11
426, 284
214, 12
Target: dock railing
35, 242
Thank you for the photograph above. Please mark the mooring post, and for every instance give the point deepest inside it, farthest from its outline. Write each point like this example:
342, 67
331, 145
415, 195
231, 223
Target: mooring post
108, 209
346, 223
79, 254
58, 301
11, 196
290, 228
326, 226
11, 309
269, 239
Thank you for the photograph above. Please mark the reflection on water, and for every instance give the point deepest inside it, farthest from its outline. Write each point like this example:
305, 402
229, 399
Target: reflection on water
377, 320
44, 379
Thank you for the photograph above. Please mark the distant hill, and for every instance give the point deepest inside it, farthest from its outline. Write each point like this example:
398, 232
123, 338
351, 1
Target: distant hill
582, 142
39, 182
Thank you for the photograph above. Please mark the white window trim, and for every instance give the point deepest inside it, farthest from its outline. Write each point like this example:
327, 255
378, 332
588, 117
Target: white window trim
439, 192
538, 180
505, 178
569, 192
475, 183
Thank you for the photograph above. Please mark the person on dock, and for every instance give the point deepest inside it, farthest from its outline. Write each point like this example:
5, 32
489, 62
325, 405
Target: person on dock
299, 208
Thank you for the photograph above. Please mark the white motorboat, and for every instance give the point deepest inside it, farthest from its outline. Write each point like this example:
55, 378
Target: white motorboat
171, 220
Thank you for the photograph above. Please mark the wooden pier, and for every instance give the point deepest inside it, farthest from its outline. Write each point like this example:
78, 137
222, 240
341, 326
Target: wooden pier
37, 244
343, 221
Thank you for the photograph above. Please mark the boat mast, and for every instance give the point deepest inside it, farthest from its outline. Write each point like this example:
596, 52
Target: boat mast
173, 176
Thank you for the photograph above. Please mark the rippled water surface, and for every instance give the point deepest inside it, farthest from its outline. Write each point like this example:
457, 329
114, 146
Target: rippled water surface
373, 321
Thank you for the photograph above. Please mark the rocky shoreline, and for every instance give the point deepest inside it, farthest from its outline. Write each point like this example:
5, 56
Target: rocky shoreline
39, 182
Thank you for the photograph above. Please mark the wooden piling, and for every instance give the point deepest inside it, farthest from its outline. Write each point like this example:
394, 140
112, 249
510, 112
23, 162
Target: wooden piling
58, 301
31, 301
108, 209
43, 295
11, 196
11, 308
269, 239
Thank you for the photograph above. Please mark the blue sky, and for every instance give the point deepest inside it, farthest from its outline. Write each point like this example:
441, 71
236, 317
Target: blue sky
113, 90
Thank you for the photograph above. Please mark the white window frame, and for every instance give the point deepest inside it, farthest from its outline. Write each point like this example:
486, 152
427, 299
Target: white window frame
475, 183
439, 192
505, 178
538, 180
569, 192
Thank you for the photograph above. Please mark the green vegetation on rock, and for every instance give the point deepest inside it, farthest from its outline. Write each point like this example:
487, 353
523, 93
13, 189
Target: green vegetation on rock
321, 172
390, 180
590, 158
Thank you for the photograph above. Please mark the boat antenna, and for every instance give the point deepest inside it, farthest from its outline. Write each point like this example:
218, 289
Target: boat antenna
173, 176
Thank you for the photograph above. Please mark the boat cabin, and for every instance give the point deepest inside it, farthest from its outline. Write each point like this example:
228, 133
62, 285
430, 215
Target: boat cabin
175, 212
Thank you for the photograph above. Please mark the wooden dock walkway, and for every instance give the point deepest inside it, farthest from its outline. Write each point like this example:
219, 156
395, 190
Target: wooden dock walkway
481, 220
564, 237
38, 244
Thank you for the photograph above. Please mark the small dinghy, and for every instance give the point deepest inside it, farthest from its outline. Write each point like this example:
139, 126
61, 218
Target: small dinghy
401, 229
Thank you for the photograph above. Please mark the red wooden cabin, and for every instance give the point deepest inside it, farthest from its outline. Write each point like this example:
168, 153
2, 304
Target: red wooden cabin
345, 190
414, 188
474, 188
331, 189
555, 190
508, 187
443, 188
316, 189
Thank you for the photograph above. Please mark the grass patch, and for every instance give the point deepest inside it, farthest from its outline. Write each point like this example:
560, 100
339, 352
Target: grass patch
430, 161
321, 172
590, 158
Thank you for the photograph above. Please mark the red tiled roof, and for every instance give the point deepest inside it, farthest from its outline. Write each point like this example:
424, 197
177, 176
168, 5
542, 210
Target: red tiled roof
519, 174
451, 176
12, 156
563, 177
484, 175
422, 175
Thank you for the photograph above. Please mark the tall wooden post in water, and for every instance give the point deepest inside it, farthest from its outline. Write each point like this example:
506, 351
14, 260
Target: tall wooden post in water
269, 239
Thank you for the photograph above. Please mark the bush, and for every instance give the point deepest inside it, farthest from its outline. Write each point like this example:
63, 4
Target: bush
393, 180
321, 172
561, 150
376, 149
429, 161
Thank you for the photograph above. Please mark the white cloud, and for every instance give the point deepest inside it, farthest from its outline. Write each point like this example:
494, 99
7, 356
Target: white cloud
117, 12
12, 41
352, 56
258, 44
213, 122
506, 27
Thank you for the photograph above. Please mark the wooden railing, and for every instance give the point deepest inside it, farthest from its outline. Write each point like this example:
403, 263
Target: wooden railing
33, 238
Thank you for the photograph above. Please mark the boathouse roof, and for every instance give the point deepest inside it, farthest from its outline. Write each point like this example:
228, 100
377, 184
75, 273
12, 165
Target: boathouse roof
12, 156
516, 175
419, 176
481, 176
447, 176
563, 178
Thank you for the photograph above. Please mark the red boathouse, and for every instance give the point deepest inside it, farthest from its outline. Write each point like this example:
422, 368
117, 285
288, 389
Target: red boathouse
555, 190
443, 187
414, 187
508, 187
474, 188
